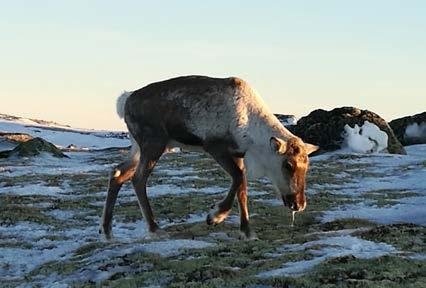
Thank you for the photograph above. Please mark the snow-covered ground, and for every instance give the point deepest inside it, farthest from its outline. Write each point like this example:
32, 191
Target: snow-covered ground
55, 242
331, 247
398, 173
63, 136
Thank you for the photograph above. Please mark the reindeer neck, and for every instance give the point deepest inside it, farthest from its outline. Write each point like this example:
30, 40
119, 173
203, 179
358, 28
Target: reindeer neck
264, 126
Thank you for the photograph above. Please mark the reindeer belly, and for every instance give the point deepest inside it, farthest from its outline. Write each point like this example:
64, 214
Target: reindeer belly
204, 133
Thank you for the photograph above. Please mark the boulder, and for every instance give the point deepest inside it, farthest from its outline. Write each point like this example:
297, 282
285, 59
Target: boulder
8, 141
326, 128
411, 129
33, 147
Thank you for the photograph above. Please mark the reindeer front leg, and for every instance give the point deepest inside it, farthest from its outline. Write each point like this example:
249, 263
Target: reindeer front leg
245, 230
221, 210
235, 168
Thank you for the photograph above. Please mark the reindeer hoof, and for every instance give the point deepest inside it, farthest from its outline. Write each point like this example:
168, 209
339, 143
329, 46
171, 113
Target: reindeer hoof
107, 232
216, 216
209, 219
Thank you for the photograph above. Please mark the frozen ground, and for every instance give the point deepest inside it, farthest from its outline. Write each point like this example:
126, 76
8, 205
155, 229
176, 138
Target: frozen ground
364, 225
63, 136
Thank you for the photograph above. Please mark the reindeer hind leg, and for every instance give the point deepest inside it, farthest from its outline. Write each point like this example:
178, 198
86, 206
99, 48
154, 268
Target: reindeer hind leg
118, 176
151, 152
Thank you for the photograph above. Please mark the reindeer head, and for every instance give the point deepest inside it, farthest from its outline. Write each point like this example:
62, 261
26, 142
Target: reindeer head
290, 164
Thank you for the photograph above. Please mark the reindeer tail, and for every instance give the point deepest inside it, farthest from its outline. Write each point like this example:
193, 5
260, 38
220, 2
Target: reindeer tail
121, 103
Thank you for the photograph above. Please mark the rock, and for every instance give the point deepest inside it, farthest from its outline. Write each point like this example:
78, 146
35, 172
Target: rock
8, 141
411, 129
33, 147
325, 128
72, 147
286, 120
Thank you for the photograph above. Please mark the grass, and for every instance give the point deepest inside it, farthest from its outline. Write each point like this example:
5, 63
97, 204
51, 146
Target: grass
348, 271
406, 237
230, 262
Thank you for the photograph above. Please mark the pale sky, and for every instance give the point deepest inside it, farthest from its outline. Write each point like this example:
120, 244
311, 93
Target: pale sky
68, 61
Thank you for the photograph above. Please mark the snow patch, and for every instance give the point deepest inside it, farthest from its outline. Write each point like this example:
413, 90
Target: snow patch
63, 137
418, 256
333, 247
288, 121
79, 162
396, 174
92, 266
416, 131
409, 210
33, 189
174, 247
365, 139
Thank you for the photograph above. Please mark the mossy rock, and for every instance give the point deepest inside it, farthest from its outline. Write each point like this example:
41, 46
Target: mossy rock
34, 147
399, 126
324, 128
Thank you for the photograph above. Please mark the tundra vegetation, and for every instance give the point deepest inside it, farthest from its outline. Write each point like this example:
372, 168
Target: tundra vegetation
51, 209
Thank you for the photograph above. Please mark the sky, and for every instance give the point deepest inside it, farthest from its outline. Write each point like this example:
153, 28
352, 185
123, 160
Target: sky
67, 61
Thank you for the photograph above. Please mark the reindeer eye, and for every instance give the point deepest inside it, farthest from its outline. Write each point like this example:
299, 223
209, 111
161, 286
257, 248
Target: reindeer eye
288, 166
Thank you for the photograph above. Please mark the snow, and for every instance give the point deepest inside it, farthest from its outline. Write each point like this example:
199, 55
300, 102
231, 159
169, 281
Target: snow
416, 130
418, 256
167, 189
33, 189
93, 271
292, 120
365, 139
409, 210
287, 120
404, 209
174, 247
331, 247
19, 261
62, 137
78, 162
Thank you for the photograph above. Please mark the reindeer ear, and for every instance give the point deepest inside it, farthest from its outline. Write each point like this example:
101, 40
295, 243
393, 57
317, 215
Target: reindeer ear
277, 145
310, 148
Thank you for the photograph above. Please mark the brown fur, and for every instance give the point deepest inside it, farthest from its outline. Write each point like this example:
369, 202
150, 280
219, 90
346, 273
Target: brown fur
297, 157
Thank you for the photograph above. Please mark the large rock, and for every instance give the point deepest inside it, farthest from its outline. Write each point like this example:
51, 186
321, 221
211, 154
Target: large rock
33, 147
411, 129
8, 141
325, 128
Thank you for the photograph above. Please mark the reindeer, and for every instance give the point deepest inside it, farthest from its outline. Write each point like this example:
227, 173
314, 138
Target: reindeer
224, 117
